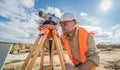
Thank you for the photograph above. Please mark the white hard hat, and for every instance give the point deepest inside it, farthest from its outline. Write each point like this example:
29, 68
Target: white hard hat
68, 17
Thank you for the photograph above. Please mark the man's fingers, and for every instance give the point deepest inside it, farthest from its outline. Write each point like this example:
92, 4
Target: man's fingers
41, 32
68, 66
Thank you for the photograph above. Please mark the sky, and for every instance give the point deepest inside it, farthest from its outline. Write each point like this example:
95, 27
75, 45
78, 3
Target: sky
19, 18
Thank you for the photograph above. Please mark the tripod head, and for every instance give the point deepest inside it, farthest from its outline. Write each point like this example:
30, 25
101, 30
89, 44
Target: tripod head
50, 30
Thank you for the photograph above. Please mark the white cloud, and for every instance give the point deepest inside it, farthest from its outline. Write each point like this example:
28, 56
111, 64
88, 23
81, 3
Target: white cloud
116, 31
111, 35
103, 35
22, 26
27, 3
82, 14
108, 35
54, 10
115, 27
11, 9
90, 20
13, 30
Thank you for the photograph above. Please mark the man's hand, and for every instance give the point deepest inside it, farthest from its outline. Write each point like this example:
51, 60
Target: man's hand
41, 27
70, 67
88, 65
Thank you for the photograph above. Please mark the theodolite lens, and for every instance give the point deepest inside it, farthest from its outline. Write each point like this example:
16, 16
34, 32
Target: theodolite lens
40, 13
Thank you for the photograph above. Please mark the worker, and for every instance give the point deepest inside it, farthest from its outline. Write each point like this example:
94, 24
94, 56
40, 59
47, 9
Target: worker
79, 43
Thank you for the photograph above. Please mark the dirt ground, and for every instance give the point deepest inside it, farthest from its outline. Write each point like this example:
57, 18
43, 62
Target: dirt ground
109, 60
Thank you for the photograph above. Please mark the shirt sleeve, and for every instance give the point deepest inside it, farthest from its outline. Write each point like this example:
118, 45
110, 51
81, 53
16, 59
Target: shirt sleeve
93, 52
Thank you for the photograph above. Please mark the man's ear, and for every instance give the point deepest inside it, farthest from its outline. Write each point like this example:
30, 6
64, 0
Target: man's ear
76, 21
74, 24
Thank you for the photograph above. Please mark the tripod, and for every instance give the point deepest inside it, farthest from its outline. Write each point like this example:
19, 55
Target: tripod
50, 32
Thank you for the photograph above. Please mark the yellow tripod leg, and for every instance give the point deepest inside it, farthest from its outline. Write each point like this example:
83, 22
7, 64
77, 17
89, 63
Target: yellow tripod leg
59, 52
61, 49
37, 52
31, 53
42, 58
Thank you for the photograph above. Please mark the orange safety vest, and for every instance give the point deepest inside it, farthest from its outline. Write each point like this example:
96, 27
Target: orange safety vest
82, 40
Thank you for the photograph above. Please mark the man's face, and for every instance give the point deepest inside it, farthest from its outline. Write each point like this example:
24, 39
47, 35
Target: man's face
67, 26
